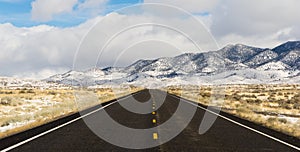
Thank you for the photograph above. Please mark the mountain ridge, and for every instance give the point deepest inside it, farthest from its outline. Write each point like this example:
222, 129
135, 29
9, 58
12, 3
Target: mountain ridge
280, 64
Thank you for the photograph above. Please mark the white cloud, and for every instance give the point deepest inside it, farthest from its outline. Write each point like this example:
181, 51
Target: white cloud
27, 51
94, 4
42, 74
193, 6
174, 33
45, 48
267, 41
34, 49
257, 19
260, 23
44, 10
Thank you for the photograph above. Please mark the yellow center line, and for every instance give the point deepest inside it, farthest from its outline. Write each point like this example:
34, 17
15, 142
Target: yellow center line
155, 136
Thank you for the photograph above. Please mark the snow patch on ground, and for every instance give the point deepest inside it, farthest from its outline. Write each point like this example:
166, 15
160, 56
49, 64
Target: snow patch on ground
15, 125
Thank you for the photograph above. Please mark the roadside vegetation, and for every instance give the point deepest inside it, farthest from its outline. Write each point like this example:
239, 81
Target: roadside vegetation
273, 106
22, 109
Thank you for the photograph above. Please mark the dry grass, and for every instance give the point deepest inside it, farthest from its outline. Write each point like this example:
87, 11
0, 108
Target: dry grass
23, 109
273, 106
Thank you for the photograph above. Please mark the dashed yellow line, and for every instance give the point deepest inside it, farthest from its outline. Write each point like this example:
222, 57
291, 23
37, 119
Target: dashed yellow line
155, 136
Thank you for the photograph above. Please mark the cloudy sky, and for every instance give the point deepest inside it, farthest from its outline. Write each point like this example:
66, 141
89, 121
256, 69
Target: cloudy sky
39, 38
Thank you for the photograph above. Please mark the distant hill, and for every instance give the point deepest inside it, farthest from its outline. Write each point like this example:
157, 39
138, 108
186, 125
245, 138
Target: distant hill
233, 64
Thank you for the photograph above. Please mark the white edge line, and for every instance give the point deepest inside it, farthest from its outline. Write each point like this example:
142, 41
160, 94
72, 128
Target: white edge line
242, 125
62, 125
76, 119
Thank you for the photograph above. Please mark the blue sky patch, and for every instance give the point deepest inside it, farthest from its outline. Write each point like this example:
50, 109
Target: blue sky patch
17, 12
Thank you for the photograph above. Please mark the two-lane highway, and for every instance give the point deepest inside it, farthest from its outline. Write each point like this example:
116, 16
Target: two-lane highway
228, 133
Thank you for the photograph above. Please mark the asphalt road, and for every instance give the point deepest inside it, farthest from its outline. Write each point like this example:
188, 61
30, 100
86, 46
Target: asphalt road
75, 135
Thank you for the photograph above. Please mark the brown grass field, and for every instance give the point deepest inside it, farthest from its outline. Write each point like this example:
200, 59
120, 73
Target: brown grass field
273, 106
22, 109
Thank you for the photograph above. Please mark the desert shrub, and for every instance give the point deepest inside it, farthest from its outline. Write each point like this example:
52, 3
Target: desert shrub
282, 102
105, 89
262, 94
290, 101
22, 91
205, 94
295, 99
289, 107
256, 91
208, 89
271, 99
30, 91
250, 96
236, 97
250, 101
285, 104
258, 101
273, 94
3, 124
243, 109
6, 92
238, 91
52, 93
271, 120
28, 98
282, 120
296, 106
6, 101
14, 119
9, 101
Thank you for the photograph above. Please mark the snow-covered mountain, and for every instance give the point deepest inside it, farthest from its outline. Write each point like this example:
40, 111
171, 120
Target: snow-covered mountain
231, 64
